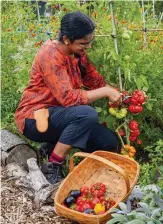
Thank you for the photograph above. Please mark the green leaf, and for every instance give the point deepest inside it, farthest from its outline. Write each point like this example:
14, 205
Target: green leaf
98, 109
144, 80
145, 207
115, 220
161, 219
114, 210
123, 207
140, 214
114, 55
160, 168
119, 216
156, 222
105, 112
153, 174
149, 105
127, 74
110, 120
155, 212
136, 221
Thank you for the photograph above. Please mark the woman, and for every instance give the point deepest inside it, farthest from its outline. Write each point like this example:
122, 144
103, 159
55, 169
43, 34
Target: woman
54, 107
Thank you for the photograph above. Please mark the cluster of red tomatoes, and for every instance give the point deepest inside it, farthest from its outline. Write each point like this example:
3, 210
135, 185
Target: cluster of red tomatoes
136, 102
91, 200
134, 131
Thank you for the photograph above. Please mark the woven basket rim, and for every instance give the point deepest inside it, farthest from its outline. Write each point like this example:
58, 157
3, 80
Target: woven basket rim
123, 198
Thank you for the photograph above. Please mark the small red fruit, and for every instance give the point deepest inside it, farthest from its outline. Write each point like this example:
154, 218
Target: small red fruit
139, 142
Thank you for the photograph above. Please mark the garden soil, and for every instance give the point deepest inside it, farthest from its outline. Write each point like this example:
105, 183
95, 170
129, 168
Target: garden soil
17, 206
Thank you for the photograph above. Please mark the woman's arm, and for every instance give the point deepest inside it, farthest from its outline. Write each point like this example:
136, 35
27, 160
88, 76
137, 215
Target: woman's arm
56, 78
103, 92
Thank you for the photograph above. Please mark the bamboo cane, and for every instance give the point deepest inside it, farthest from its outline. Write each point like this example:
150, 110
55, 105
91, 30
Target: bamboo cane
115, 42
148, 30
38, 12
144, 27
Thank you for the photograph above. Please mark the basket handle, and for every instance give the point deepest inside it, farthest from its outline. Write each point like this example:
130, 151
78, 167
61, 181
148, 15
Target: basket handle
105, 161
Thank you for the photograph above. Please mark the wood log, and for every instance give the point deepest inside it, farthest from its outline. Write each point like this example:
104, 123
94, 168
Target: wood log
15, 150
19, 155
21, 161
34, 179
14, 170
43, 191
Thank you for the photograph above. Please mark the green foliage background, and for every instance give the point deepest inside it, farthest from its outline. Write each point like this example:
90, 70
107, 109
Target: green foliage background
22, 31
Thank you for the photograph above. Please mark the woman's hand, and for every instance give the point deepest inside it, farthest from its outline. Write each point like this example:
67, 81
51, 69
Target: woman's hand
114, 95
107, 91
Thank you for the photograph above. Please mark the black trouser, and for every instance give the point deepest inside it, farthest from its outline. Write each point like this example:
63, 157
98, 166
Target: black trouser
77, 126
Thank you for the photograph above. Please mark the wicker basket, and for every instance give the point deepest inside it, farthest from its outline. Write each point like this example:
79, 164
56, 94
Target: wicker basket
115, 171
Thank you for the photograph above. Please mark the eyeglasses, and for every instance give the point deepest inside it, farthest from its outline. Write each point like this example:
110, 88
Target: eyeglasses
85, 45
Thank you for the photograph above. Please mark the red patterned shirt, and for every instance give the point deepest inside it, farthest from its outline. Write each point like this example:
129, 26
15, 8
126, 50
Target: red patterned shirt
55, 80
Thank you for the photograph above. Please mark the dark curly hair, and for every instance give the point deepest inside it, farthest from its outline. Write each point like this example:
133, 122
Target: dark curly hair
75, 25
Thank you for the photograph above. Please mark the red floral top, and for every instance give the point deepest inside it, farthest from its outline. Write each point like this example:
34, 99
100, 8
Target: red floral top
55, 80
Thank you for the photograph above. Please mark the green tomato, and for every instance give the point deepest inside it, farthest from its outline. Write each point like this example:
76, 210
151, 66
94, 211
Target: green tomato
113, 111
126, 36
121, 114
123, 111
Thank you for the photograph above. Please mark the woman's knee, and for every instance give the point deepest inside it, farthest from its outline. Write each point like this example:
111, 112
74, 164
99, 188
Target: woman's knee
114, 143
88, 113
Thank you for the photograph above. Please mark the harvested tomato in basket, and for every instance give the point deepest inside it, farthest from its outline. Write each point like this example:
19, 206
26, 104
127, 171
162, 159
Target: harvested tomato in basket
98, 189
91, 200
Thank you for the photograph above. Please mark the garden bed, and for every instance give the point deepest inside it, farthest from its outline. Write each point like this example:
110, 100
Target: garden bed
18, 207
140, 45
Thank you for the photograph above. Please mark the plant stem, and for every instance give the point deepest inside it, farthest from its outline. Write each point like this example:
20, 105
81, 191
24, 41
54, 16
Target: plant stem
119, 135
127, 134
119, 127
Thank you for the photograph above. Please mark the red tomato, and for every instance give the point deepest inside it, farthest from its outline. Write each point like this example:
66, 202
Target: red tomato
139, 142
80, 208
138, 97
84, 191
133, 125
94, 201
121, 132
135, 109
132, 138
135, 133
112, 203
105, 201
81, 200
98, 190
86, 206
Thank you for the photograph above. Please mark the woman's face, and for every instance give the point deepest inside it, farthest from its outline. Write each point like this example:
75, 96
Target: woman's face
80, 46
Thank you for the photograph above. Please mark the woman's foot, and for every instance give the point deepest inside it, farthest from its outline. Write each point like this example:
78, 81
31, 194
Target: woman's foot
53, 172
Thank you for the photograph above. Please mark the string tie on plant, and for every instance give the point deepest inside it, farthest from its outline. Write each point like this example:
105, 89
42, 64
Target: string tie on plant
113, 35
145, 29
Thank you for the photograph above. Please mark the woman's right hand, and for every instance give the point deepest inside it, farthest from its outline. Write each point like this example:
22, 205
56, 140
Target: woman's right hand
114, 95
